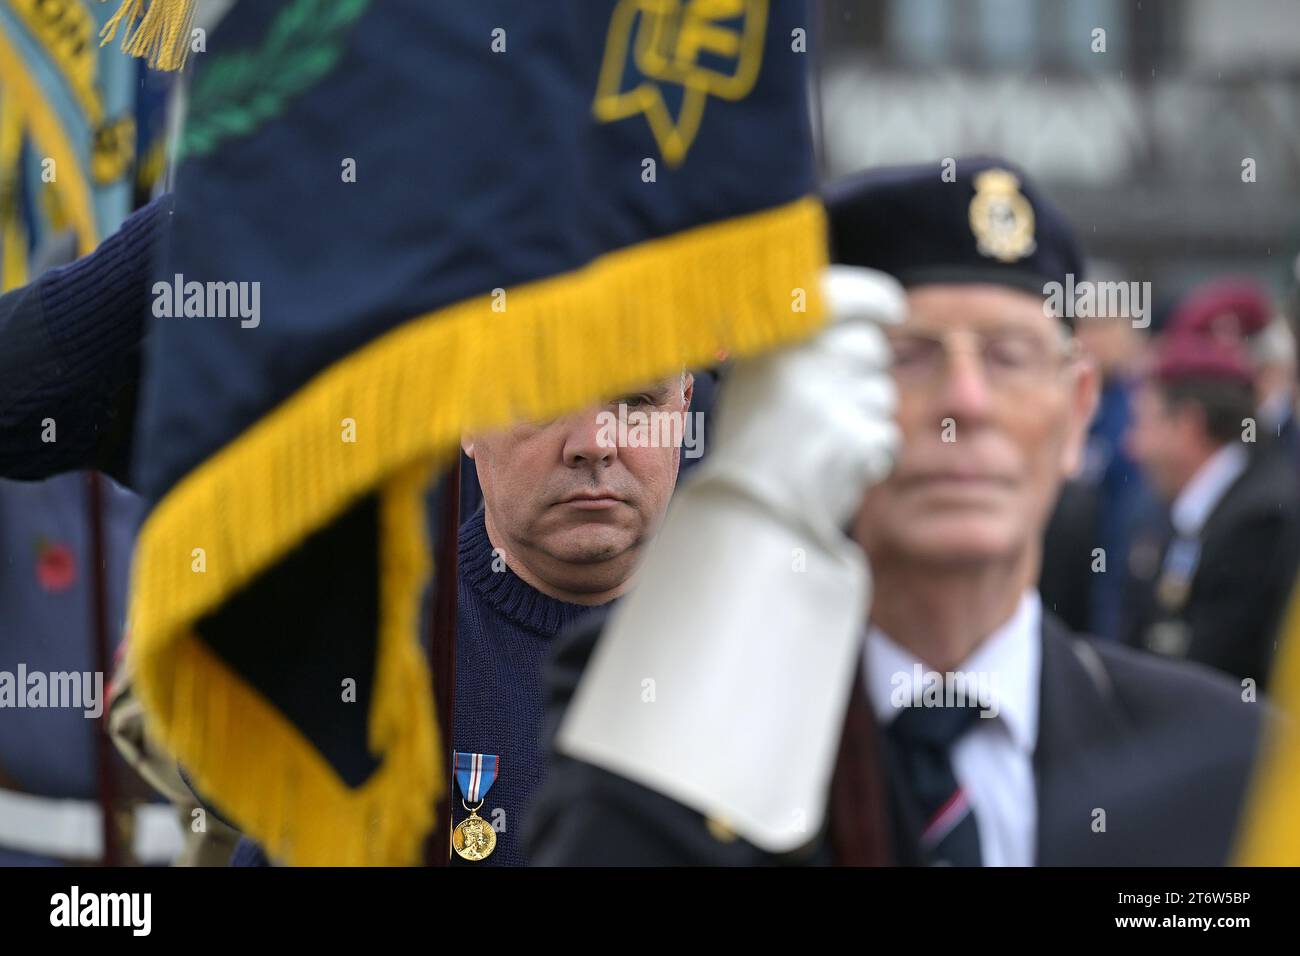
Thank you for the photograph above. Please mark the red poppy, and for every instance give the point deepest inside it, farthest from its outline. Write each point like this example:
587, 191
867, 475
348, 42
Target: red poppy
55, 569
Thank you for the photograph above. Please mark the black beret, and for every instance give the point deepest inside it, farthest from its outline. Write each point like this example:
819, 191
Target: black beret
982, 222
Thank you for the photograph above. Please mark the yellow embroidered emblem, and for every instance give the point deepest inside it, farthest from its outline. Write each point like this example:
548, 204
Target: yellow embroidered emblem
704, 47
1001, 217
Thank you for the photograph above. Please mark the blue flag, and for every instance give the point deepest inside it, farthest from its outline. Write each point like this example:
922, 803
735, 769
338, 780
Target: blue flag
396, 222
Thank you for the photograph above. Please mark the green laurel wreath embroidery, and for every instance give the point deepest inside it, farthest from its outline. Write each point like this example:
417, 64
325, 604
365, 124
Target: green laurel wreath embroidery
240, 91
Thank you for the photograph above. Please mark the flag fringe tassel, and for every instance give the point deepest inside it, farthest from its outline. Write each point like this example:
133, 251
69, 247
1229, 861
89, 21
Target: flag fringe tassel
161, 34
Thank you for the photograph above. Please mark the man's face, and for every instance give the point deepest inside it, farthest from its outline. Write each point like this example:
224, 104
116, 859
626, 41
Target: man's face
569, 504
1157, 439
990, 424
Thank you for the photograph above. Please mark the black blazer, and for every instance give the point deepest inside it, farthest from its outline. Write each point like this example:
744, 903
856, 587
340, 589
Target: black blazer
1163, 748
1249, 550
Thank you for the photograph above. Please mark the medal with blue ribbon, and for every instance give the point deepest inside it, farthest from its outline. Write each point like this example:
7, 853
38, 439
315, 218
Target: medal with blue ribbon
474, 838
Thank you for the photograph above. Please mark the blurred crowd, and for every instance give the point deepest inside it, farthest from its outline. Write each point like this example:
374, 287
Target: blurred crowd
1181, 533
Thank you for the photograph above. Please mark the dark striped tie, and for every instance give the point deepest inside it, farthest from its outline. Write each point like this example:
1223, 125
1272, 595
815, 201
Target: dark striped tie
923, 738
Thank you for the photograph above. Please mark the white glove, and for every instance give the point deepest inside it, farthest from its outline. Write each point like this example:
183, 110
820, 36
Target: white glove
806, 430
722, 679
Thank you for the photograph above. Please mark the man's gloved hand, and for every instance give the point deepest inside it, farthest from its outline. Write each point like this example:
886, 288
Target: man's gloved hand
807, 429
722, 679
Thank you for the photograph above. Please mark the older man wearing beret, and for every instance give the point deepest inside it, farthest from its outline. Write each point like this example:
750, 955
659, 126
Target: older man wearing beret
954, 720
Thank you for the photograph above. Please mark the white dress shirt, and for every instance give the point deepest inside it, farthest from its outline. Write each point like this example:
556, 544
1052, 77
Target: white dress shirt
1203, 493
994, 761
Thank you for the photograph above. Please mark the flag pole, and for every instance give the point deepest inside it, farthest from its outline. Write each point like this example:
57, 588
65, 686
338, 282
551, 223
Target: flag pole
107, 785
442, 655
859, 832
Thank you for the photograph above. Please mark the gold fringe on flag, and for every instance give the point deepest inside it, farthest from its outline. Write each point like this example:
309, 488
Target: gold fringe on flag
743, 286
13, 237
162, 33
1271, 831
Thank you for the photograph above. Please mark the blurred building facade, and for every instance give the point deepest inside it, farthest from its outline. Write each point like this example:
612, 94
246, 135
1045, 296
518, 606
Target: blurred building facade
1142, 132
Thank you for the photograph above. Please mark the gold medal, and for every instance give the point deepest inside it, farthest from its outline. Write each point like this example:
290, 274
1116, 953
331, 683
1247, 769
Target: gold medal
1172, 591
473, 839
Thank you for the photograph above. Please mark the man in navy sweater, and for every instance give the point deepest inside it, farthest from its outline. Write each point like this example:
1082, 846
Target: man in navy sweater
568, 508
70, 357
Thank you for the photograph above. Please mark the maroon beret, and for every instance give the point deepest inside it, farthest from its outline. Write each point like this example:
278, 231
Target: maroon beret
1226, 308
1183, 356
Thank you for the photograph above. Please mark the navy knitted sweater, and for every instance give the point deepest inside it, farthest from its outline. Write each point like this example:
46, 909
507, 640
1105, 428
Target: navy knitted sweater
70, 351
504, 632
